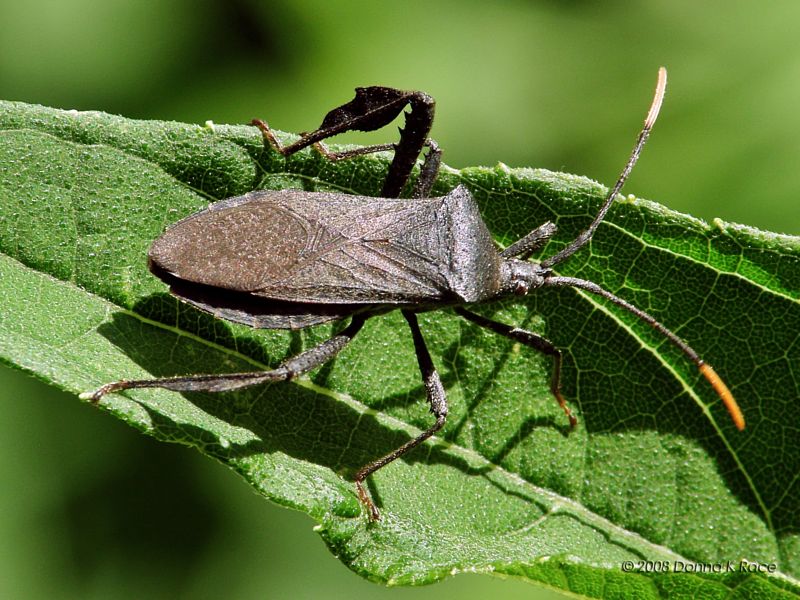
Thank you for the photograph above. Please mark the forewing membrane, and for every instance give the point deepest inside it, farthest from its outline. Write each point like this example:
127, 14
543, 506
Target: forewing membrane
292, 246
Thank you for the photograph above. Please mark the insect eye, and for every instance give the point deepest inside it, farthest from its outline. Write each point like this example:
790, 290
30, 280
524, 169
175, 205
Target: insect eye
520, 288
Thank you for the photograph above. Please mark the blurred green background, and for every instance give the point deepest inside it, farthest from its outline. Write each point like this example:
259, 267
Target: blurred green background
90, 508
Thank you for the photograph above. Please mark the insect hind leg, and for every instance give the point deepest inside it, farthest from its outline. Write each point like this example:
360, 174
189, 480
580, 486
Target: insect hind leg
289, 369
371, 109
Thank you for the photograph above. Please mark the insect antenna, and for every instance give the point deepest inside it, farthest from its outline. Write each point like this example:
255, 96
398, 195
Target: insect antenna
719, 386
586, 235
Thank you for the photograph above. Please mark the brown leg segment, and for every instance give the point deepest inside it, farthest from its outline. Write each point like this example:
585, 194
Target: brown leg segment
293, 367
532, 340
436, 398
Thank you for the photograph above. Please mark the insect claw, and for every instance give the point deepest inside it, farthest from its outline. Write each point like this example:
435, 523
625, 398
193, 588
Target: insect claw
573, 420
363, 496
95, 396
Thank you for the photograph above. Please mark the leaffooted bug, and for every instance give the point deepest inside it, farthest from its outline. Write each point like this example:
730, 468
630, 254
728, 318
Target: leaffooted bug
291, 259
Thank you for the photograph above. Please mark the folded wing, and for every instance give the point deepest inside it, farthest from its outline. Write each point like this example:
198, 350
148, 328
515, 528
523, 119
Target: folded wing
326, 248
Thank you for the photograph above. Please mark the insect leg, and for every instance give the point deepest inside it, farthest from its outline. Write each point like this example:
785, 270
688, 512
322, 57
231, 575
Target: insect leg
531, 340
412, 138
372, 108
429, 171
529, 244
287, 370
705, 369
352, 153
427, 174
275, 143
436, 398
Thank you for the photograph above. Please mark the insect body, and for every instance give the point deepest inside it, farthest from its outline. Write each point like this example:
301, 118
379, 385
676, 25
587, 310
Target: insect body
331, 255
292, 259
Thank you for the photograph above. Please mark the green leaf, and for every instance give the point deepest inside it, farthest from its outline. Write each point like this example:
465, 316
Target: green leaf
655, 471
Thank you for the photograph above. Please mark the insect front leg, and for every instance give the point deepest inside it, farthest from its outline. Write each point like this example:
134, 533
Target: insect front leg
524, 247
437, 400
289, 369
532, 340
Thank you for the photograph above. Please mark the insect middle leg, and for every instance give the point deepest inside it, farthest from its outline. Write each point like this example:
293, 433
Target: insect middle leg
437, 400
289, 369
532, 340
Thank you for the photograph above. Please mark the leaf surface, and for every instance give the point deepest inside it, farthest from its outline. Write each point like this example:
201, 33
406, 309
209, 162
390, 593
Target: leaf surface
654, 472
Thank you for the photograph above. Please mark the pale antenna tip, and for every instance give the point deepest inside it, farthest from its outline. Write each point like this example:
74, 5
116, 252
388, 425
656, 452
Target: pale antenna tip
658, 98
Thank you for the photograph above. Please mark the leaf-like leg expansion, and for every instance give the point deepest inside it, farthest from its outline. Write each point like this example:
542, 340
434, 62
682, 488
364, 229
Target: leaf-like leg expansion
532, 340
436, 398
372, 108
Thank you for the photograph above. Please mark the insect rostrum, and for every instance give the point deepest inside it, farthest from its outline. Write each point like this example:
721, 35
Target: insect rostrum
291, 259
